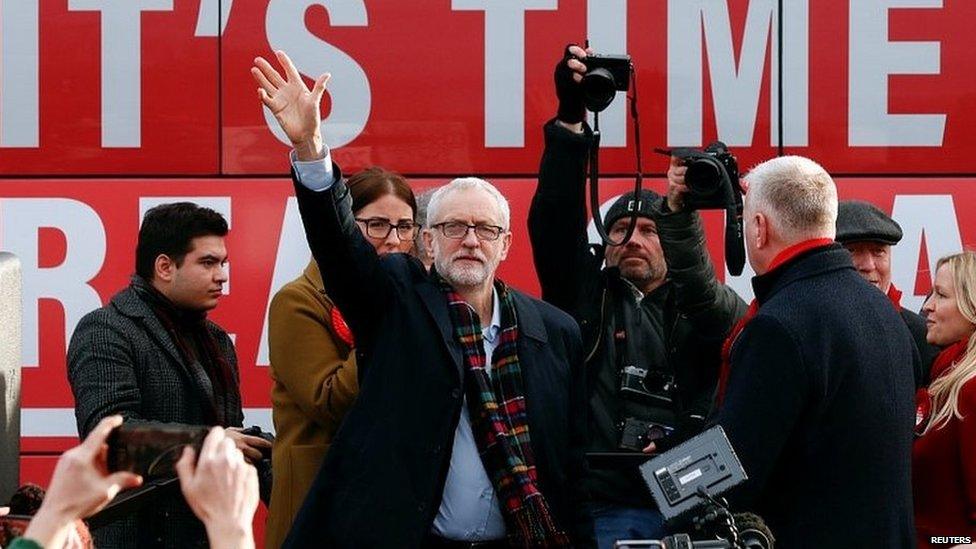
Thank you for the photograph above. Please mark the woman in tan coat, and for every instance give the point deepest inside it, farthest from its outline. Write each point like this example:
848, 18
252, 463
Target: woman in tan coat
312, 363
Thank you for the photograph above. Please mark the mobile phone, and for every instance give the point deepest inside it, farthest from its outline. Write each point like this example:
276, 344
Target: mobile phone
152, 449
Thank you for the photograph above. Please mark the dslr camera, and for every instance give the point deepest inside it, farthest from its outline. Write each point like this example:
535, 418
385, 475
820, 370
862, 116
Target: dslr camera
712, 177
713, 184
605, 76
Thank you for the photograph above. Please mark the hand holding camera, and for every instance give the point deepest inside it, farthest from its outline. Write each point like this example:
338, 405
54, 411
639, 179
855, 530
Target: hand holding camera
80, 486
255, 444
585, 80
569, 73
221, 488
676, 184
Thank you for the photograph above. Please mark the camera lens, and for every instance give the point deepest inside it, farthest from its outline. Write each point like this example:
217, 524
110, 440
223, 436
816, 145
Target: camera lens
599, 89
703, 178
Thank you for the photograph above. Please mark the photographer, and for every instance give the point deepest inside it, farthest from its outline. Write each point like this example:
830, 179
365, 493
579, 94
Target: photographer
653, 321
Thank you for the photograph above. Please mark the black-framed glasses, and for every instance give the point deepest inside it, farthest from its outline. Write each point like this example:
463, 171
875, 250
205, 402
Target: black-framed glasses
380, 228
458, 230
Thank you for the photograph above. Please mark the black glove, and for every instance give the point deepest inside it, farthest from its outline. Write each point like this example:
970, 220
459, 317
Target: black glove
571, 109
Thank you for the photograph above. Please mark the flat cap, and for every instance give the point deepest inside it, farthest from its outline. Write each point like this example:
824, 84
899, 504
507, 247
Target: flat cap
650, 204
859, 221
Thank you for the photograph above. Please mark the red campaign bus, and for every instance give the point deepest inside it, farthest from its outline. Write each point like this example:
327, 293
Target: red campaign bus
109, 108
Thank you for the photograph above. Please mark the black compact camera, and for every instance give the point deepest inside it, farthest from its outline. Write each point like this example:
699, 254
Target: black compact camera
636, 434
605, 76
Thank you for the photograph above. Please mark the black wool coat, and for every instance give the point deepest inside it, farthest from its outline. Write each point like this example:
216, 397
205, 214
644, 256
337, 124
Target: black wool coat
121, 360
820, 408
382, 479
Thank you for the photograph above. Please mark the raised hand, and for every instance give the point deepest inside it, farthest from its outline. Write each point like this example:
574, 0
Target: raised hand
80, 486
569, 73
221, 489
294, 107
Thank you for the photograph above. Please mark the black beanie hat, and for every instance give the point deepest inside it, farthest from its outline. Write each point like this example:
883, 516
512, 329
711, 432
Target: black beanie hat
650, 205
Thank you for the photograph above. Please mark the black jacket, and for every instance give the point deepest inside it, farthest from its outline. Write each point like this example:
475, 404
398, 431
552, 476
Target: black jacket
121, 360
382, 480
820, 407
684, 322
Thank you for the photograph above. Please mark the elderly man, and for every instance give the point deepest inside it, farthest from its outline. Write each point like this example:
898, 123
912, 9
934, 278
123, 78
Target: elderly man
468, 430
868, 234
817, 402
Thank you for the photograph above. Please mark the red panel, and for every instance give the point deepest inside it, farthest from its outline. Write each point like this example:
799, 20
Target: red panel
428, 101
427, 87
37, 468
950, 92
179, 96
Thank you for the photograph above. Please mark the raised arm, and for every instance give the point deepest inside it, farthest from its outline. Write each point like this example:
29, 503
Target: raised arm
568, 271
350, 267
709, 304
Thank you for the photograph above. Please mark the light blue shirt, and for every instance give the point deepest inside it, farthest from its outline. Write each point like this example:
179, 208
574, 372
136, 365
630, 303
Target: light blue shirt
469, 508
315, 175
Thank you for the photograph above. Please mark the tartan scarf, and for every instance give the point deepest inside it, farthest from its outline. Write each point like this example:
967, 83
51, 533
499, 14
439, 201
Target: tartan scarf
781, 258
500, 423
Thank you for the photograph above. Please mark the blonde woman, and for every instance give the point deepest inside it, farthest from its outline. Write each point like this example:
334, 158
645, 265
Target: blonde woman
944, 454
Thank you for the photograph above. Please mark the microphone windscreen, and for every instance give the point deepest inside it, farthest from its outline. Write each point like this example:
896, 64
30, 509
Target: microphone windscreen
753, 532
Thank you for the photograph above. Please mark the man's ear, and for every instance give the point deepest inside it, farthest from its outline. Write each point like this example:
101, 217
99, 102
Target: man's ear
506, 244
164, 268
762, 235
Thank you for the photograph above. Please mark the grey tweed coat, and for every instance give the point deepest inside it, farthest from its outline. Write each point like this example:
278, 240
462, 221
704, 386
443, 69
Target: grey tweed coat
122, 361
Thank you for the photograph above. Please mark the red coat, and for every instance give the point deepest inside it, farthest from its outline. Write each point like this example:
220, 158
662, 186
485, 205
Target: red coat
944, 468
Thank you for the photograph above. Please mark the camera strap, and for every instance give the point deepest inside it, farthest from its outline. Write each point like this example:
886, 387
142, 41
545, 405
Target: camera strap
594, 165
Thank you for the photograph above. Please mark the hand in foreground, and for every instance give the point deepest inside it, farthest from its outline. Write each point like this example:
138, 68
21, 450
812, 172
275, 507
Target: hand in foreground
294, 107
250, 445
221, 489
80, 486
676, 184
650, 448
